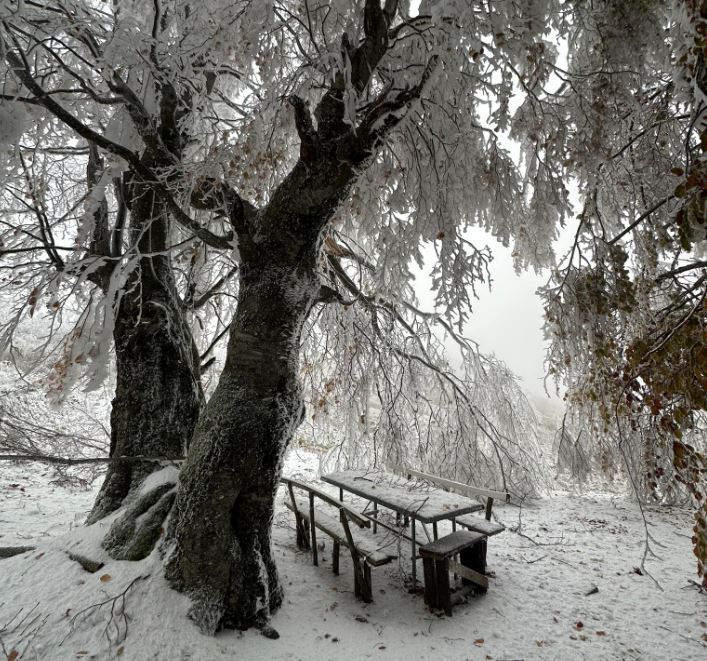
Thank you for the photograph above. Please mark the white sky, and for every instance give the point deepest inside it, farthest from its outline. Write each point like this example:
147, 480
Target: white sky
507, 320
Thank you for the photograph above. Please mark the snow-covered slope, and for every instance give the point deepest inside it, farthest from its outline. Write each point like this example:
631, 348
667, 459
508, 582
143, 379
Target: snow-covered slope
566, 588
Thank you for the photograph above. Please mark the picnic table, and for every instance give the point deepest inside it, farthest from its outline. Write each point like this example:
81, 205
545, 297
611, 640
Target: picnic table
416, 501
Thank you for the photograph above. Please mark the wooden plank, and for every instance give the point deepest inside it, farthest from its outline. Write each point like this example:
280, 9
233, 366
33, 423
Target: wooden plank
393, 493
478, 524
459, 487
367, 545
451, 544
356, 516
469, 574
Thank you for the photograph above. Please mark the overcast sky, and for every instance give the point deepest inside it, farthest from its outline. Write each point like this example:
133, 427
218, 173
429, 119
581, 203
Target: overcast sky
507, 320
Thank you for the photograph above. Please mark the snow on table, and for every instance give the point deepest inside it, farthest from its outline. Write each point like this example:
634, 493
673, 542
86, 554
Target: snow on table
424, 503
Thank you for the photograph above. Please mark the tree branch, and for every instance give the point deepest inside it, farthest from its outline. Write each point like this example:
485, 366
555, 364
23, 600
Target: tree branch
20, 68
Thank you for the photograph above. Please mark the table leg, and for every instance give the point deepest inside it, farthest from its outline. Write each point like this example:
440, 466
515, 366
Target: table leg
434, 530
414, 562
375, 518
454, 527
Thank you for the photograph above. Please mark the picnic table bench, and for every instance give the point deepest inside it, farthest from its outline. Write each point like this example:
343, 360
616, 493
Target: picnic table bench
438, 561
334, 518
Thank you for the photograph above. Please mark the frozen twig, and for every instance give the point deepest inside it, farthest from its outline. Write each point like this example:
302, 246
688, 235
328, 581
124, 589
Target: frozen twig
118, 619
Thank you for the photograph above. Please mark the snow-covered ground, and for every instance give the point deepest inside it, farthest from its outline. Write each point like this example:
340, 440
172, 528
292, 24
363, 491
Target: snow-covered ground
567, 588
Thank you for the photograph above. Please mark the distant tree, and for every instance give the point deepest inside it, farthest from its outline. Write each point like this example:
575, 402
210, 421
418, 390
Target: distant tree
322, 145
626, 310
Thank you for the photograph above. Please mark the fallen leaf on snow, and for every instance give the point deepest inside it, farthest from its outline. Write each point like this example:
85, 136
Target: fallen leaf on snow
12, 655
479, 642
578, 624
601, 633
105, 578
119, 651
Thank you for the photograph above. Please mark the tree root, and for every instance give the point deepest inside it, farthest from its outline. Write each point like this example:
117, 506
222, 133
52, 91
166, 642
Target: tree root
134, 535
10, 551
91, 566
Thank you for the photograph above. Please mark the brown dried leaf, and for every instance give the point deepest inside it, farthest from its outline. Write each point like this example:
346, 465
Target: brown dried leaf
479, 642
105, 578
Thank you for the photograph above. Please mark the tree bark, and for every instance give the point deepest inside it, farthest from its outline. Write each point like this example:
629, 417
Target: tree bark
220, 542
158, 394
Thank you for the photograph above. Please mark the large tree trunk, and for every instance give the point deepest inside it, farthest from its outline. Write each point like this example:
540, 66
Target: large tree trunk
158, 395
220, 538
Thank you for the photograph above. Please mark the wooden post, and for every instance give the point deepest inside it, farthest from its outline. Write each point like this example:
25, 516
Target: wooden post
442, 577
302, 537
335, 559
362, 577
434, 530
313, 531
428, 566
489, 505
375, 518
454, 529
474, 558
414, 563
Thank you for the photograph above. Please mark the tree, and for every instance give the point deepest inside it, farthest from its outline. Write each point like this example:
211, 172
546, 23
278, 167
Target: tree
133, 303
321, 144
626, 310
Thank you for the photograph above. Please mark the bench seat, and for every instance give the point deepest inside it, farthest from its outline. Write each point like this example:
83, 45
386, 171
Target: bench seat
479, 524
437, 558
366, 544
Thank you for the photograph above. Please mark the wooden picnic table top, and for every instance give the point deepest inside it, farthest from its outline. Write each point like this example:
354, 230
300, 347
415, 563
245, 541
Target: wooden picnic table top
424, 503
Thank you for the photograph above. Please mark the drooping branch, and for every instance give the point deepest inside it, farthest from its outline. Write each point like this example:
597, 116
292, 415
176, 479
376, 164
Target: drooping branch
20, 68
386, 113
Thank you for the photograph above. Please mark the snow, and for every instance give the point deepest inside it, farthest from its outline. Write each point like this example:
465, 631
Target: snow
538, 607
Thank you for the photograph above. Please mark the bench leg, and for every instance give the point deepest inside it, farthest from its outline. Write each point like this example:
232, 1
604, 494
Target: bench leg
315, 554
335, 558
474, 558
302, 533
362, 584
313, 531
442, 579
362, 572
431, 599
